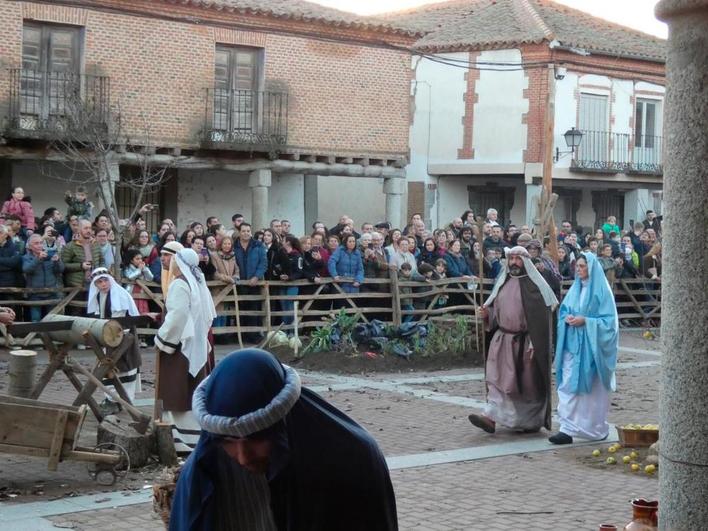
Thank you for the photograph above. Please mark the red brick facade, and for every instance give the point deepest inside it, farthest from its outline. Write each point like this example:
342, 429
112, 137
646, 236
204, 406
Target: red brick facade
471, 98
348, 93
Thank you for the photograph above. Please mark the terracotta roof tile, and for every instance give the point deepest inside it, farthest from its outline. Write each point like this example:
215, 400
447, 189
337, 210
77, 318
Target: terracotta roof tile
470, 24
299, 10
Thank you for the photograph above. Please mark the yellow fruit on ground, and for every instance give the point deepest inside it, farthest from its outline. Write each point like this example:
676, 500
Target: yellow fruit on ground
633, 454
611, 461
612, 449
650, 469
596, 453
626, 459
635, 467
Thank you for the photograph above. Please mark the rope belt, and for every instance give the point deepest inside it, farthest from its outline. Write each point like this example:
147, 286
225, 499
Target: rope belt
518, 354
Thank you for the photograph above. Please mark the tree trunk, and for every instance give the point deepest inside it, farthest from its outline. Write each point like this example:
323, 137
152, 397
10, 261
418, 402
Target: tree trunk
116, 430
107, 332
21, 373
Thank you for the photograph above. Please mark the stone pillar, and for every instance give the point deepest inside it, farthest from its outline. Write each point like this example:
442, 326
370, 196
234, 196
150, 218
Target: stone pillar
683, 461
533, 192
259, 181
311, 193
394, 188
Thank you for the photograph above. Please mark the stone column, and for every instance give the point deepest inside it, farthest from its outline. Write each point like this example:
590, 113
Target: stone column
259, 181
683, 461
394, 188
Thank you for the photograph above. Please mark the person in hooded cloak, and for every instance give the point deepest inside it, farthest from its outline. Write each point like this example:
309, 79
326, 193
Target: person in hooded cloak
183, 347
586, 355
518, 365
108, 299
275, 456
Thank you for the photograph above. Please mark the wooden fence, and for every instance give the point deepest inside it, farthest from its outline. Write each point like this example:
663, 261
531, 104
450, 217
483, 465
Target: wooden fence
245, 308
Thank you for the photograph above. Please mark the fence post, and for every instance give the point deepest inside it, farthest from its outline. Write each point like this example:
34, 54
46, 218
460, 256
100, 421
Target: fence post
266, 296
395, 298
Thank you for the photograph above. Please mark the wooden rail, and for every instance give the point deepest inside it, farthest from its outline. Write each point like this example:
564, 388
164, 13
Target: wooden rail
257, 308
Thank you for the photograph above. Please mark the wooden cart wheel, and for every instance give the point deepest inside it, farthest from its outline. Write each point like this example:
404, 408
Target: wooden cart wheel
108, 473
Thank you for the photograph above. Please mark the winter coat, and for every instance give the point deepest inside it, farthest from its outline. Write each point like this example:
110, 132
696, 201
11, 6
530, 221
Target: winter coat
80, 209
295, 265
252, 261
73, 257
311, 268
429, 257
376, 265
457, 266
21, 209
42, 273
10, 265
345, 263
225, 266
278, 263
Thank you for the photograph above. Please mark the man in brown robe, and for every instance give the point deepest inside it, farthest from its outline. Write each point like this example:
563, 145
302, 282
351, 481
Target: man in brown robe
518, 364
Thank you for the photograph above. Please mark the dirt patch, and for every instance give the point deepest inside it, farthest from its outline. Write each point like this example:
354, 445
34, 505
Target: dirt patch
341, 363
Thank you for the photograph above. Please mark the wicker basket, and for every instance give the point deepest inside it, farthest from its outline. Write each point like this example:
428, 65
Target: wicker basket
162, 494
637, 438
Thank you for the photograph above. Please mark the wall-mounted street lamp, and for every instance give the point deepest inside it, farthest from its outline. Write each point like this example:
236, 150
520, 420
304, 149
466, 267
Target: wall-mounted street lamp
573, 137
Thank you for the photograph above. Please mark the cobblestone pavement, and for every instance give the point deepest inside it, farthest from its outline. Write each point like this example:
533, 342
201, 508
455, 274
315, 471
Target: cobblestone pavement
447, 474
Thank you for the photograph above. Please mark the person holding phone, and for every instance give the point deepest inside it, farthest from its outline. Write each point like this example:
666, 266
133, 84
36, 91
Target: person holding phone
42, 269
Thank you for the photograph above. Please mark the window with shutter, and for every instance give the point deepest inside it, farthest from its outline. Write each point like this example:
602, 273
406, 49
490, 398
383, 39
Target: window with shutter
236, 95
50, 69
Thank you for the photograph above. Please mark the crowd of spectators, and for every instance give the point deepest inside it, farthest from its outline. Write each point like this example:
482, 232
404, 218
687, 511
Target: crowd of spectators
60, 251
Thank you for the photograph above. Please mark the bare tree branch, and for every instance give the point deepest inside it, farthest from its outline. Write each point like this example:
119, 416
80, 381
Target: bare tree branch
89, 139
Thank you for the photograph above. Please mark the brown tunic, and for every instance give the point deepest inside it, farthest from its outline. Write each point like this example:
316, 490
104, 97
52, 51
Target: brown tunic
518, 358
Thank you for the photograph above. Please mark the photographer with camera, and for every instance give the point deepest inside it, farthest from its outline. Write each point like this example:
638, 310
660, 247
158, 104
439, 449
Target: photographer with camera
42, 269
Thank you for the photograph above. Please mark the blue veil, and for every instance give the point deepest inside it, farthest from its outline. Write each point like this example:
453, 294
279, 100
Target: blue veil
594, 345
326, 472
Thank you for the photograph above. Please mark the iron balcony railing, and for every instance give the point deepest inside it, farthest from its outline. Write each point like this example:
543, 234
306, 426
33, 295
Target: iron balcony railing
51, 102
246, 119
605, 152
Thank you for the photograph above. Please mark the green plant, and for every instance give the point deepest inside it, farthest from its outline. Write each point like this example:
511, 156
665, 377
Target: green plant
320, 340
340, 325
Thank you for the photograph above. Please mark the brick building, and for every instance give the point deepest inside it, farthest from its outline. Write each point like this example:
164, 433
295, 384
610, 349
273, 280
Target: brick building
482, 75
254, 104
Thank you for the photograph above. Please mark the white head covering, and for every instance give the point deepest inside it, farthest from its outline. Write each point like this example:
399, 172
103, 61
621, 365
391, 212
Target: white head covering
195, 344
546, 292
121, 301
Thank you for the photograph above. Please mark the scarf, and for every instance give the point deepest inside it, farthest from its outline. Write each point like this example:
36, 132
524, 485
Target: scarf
120, 299
195, 345
549, 297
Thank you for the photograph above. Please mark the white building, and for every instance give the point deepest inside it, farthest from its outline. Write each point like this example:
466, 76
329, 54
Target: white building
480, 94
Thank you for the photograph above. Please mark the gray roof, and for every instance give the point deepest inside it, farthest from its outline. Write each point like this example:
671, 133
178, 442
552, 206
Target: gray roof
298, 10
485, 24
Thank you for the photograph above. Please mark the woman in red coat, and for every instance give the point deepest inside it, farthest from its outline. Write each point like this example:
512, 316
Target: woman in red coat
17, 206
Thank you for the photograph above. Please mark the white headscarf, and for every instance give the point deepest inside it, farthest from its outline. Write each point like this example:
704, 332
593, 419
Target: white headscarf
121, 301
546, 292
195, 343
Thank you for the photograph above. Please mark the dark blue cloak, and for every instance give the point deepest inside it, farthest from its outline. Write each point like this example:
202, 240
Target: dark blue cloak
326, 472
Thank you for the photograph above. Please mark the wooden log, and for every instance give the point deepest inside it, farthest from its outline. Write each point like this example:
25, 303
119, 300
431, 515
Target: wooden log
107, 332
117, 430
165, 444
21, 372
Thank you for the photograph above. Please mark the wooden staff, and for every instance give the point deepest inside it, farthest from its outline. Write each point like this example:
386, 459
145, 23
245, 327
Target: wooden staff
480, 261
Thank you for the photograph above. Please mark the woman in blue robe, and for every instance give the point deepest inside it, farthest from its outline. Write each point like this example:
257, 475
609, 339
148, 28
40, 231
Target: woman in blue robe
273, 455
586, 354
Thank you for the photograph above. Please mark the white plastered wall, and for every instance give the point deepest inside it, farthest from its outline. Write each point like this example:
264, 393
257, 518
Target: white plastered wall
499, 136
221, 193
